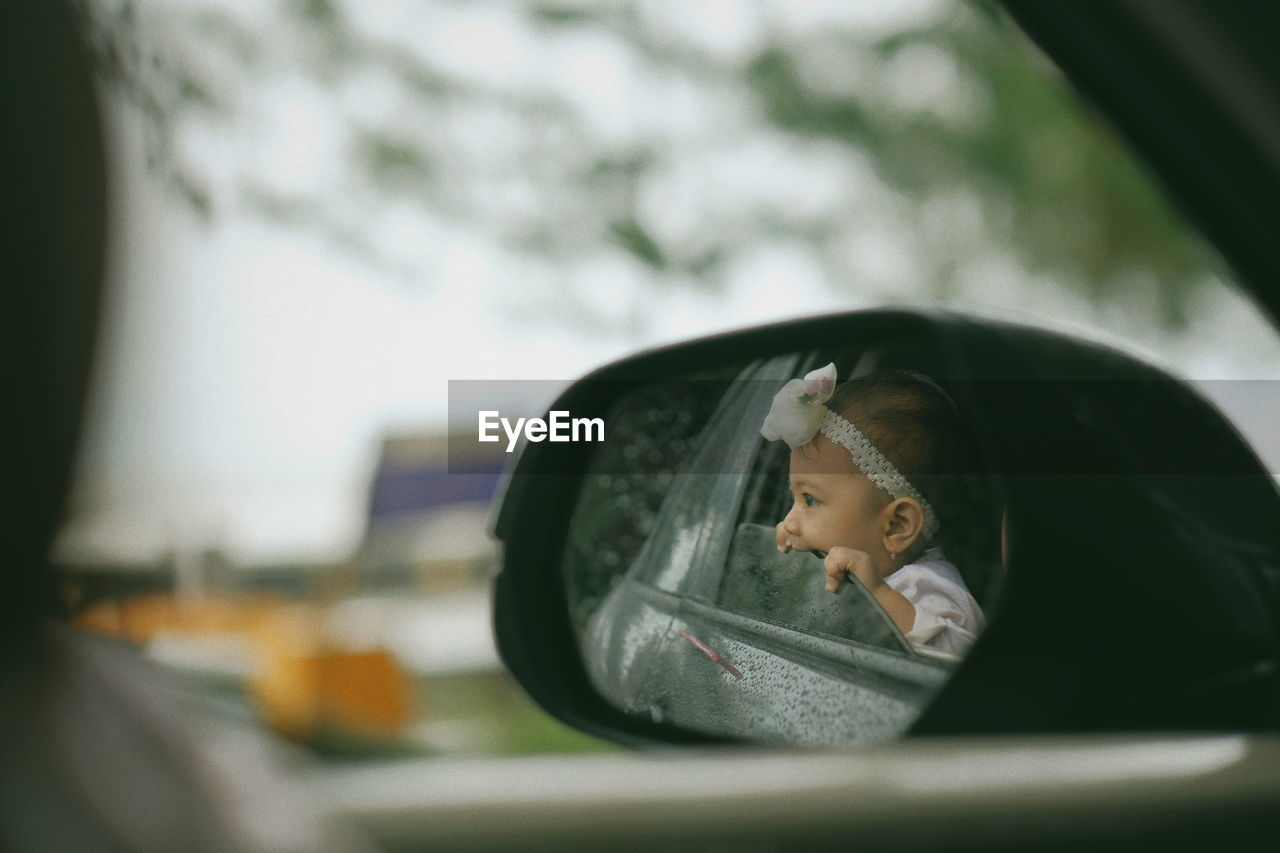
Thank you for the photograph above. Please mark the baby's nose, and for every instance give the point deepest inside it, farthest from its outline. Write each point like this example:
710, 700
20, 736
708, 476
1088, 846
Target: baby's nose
791, 524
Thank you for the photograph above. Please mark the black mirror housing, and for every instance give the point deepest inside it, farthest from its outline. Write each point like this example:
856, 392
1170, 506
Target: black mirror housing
1142, 566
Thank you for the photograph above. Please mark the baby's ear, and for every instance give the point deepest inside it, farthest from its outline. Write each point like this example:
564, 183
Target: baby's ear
905, 521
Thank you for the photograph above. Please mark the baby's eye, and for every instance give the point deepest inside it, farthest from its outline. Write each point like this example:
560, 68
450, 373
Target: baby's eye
809, 500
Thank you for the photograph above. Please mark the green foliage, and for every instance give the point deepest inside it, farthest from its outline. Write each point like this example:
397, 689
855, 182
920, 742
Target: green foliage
392, 163
320, 12
954, 115
1055, 186
632, 236
560, 15
791, 105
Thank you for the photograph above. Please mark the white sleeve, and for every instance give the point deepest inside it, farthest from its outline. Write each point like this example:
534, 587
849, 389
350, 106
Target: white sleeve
947, 617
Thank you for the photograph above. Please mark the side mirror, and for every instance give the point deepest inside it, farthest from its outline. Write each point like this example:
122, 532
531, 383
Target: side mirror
1114, 528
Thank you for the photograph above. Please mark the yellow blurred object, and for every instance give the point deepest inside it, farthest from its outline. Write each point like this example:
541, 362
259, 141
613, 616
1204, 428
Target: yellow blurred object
303, 685
363, 692
101, 618
141, 617
306, 687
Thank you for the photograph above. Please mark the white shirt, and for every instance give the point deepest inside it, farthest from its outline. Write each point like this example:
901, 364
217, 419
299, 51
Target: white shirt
948, 618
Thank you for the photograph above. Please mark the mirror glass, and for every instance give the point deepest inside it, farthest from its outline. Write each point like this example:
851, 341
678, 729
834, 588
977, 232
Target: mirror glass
700, 553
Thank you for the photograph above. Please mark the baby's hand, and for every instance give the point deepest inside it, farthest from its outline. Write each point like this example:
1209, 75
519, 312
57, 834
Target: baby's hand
841, 561
783, 539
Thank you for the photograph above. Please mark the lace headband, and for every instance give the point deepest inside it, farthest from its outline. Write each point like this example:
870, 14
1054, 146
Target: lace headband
798, 414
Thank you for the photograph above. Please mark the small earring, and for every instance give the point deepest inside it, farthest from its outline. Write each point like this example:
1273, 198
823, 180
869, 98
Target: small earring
893, 556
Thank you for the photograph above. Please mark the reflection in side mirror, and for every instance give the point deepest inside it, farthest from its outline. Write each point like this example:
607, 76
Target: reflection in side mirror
1116, 534
693, 608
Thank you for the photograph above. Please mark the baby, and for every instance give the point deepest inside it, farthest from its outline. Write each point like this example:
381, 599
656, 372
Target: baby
853, 505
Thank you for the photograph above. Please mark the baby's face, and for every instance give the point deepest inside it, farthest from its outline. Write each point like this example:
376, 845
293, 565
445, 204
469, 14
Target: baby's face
833, 503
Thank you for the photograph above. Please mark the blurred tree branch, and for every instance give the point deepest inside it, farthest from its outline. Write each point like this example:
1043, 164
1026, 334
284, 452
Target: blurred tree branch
955, 117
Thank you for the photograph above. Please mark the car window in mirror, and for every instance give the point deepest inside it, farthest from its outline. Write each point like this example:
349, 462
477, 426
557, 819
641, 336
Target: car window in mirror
689, 610
651, 434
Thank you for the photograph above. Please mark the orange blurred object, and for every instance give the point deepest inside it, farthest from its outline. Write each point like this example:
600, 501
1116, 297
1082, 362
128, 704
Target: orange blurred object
303, 685
362, 692
140, 618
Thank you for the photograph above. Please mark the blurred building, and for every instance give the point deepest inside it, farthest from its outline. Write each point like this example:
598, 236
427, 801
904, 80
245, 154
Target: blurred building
428, 516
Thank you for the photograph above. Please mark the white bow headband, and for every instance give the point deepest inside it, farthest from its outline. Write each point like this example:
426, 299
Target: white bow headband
798, 414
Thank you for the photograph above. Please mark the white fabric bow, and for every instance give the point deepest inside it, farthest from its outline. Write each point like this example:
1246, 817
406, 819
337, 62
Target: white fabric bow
797, 410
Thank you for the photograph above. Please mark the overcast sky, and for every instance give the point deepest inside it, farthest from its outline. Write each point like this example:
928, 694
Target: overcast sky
248, 370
